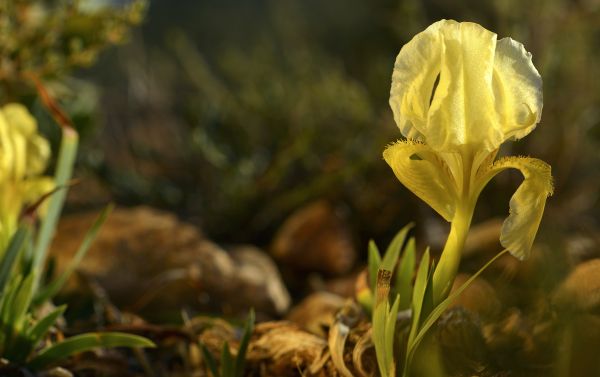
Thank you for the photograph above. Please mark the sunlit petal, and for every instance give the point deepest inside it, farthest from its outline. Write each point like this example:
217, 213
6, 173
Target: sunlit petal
457, 88
421, 170
462, 111
30, 150
517, 89
526, 205
415, 72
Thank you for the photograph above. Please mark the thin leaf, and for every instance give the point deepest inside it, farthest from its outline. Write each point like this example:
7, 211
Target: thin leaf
439, 310
8, 298
210, 361
64, 172
390, 335
227, 365
393, 251
374, 262
404, 274
12, 252
86, 342
418, 295
53, 288
383, 354
21, 303
240, 359
41, 328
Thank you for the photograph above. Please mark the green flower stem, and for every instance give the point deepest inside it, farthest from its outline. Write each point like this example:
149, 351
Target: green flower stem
447, 267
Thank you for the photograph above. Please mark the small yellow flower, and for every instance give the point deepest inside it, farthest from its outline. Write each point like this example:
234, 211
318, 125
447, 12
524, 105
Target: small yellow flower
24, 154
457, 94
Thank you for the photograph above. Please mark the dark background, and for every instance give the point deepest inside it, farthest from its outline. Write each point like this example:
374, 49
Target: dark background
235, 113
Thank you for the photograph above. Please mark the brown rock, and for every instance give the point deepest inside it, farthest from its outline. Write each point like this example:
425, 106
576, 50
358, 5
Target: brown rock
480, 297
150, 262
580, 291
315, 239
484, 236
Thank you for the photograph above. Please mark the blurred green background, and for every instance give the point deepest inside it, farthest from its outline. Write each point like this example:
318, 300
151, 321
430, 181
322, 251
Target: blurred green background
234, 113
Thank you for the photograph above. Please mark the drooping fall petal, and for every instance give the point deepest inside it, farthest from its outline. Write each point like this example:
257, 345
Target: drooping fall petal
421, 170
526, 205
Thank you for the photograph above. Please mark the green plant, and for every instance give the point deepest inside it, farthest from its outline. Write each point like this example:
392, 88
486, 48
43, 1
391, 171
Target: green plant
49, 38
231, 367
43, 40
456, 95
391, 276
22, 332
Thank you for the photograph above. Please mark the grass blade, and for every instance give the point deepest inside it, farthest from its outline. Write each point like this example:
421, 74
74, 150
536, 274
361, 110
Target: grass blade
8, 298
227, 365
210, 361
37, 332
404, 274
21, 303
64, 172
240, 359
393, 251
53, 288
12, 252
379, 322
418, 295
373, 265
437, 312
390, 335
86, 342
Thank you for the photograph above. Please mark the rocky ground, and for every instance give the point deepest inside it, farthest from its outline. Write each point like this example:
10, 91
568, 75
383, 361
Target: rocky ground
152, 274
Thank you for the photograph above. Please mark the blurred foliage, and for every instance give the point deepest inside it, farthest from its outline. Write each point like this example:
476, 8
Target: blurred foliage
47, 38
237, 126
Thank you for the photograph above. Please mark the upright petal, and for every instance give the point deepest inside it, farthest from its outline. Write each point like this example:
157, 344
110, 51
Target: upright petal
526, 205
31, 150
462, 111
517, 89
415, 72
423, 172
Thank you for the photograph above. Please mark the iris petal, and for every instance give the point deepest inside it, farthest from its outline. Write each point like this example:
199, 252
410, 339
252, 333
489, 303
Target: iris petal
421, 170
526, 205
462, 112
415, 72
517, 89
487, 91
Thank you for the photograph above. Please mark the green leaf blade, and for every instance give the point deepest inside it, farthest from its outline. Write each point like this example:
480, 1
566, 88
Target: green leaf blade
86, 342
210, 361
393, 251
240, 359
404, 274
12, 252
53, 288
37, 332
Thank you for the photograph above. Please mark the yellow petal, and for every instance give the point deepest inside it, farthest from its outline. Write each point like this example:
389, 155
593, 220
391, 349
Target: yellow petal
423, 172
487, 91
462, 112
25, 151
526, 205
517, 89
415, 72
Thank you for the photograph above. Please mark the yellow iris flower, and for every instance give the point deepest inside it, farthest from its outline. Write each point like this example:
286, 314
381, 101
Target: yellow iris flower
457, 94
24, 154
